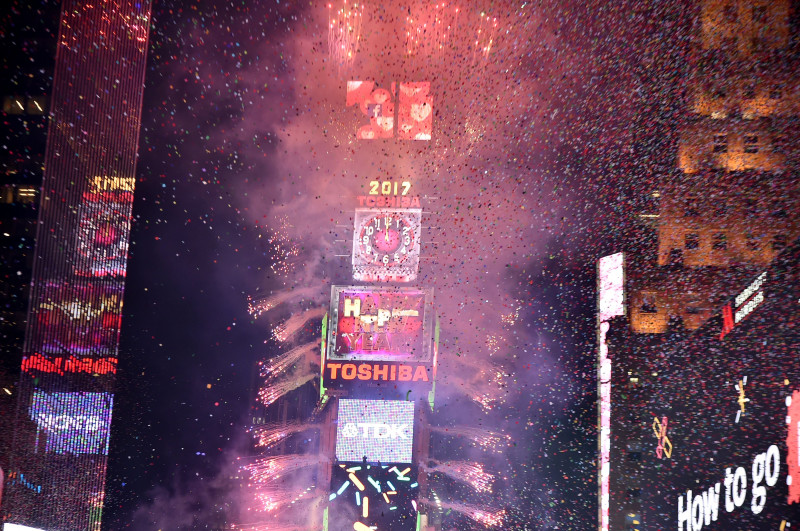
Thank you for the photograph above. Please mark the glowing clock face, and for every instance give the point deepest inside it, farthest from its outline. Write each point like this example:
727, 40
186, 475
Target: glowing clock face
386, 239
386, 244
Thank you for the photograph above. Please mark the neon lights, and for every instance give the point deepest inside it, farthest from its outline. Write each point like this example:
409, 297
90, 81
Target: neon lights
77, 423
610, 303
664, 446
382, 372
380, 324
745, 302
378, 430
69, 364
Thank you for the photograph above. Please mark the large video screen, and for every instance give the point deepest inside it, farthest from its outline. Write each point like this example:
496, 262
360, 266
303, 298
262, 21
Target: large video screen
380, 324
364, 496
378, 430
720, 441
77, 423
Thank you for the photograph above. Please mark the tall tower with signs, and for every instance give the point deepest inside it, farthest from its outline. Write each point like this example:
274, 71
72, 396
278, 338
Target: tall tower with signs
380, 346
65, 397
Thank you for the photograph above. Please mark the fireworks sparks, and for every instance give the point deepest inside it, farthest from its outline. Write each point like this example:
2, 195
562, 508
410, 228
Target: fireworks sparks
471, 474
269, 434
285, 331
267, 469
482, 516
270, 393
484, 39
257, 306
279, 364
487, 440
344, 32
283, 244
430, 27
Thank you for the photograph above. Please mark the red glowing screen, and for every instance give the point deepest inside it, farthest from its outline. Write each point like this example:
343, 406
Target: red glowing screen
377, 323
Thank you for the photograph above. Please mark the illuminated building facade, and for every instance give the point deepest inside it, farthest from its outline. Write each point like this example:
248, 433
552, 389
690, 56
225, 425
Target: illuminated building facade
719, 216
65, 396
28, 32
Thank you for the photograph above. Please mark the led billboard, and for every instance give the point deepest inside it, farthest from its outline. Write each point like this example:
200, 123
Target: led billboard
103, 232
365, 496
76, 423
728, 413
380, 324
375, 431
610, 303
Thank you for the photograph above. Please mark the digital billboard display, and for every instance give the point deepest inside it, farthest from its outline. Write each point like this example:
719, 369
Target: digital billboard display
375, 431
380, 324
103, 232
77, 423
413, 113
77, 318
720, 441
365, 496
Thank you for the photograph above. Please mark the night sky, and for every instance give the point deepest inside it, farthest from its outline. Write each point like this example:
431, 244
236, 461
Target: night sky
248, 163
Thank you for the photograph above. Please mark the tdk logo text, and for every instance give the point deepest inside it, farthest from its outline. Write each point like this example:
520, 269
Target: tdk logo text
375, 430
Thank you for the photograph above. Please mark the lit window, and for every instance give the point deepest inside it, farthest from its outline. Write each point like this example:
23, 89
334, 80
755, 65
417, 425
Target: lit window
26, 194
691, 241
751, 143
13, 105
649, 303
36, 105
729, 13
719, 241
720, 144
752, 242
690, 208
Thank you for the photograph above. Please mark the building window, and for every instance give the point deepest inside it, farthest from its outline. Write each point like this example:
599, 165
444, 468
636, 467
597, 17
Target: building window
779, 210
720, 144
719, 241
779, 242
751, 143
26, 194
14, 105
35, 105
648, 303
729, 13
691, 241
760, 14
690, 208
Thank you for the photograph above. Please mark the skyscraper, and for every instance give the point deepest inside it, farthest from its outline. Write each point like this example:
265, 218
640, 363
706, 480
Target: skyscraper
65, 395
719, 215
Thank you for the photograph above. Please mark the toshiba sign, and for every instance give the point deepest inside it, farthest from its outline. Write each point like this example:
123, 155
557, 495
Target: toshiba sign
378, 430
376, 371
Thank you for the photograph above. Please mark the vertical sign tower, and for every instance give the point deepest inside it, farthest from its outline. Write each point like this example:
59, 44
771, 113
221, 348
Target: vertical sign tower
66, 393
380, 355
